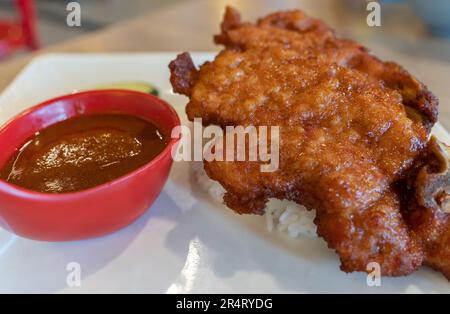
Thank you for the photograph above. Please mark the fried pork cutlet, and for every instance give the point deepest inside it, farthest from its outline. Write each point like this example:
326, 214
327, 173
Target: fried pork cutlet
350, 126
426, 203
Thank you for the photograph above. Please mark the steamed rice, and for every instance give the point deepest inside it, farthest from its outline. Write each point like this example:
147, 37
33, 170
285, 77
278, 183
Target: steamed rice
281, 215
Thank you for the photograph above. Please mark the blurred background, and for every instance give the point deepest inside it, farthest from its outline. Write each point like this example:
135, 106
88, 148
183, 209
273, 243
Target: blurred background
414, 33
51, 15
43, 22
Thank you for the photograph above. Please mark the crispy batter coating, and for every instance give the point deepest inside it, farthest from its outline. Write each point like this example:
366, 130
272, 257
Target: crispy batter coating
295, 30
183, 67
350, 126
426, 210
375, 234
432, 226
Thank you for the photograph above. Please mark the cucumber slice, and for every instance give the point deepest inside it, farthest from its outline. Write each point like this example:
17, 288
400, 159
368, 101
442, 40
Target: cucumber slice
134, 86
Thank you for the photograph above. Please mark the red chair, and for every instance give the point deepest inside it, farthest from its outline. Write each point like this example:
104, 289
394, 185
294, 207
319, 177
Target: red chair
20, 34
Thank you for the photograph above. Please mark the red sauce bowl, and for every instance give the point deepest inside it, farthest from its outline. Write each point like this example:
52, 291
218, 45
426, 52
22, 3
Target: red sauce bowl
101, 209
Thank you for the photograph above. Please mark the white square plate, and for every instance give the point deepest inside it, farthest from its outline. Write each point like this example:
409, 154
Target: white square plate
185, 243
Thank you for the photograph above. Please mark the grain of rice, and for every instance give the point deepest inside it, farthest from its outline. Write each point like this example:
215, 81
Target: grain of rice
280, 215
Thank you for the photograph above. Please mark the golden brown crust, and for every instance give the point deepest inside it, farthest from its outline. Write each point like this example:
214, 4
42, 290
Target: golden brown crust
433, 229
376, 234
430, 221
298, 31
345, 129
183, 74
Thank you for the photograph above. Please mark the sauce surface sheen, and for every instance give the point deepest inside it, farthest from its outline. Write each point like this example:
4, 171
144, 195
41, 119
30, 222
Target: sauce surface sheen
83, 152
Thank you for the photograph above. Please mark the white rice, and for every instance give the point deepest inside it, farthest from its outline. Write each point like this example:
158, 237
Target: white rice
283, 216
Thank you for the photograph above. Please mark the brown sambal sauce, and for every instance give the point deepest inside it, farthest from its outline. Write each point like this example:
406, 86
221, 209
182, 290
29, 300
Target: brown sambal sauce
83, 152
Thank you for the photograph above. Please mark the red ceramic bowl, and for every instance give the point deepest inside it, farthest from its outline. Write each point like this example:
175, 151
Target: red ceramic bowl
101, 209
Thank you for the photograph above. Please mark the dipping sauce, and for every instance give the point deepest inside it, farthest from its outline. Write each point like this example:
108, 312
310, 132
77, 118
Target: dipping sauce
83, 152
